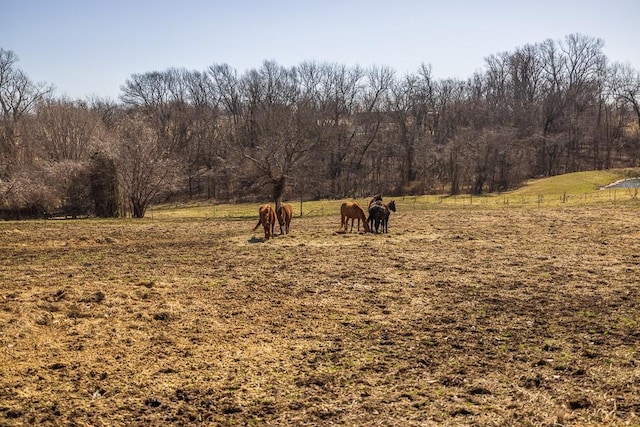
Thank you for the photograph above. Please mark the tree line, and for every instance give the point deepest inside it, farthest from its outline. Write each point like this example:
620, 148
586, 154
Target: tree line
315, 130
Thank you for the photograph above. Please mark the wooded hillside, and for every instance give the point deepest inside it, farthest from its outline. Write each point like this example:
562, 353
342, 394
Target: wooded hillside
316, 130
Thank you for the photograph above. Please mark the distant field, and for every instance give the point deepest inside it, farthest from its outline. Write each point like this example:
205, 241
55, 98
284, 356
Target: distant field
575, 189
576, 183
468, 312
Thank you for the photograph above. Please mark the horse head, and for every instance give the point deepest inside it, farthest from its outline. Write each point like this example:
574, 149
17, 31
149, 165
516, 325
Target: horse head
392, 205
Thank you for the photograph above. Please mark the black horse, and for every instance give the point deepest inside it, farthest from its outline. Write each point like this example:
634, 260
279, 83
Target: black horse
379, 214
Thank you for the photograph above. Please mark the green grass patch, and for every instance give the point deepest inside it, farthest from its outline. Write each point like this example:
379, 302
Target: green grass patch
574, 183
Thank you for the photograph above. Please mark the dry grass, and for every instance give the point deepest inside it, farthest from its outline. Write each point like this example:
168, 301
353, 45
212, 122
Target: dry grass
456, 317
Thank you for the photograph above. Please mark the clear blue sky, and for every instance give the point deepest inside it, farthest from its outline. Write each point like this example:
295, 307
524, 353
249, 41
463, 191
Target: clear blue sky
91, 47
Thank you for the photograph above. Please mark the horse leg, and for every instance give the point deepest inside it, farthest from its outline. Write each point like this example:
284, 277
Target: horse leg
281, 219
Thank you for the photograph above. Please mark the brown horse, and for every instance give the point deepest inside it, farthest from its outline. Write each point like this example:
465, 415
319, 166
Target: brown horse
267, 219
352, 210
379, 214
284, 213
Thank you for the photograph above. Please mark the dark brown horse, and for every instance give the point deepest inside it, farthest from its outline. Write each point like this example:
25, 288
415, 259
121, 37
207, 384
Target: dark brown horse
352, 210
379, 214
267, 219
284, 213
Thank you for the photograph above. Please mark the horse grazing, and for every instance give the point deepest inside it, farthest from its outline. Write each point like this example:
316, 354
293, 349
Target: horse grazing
379, 214
284, 213
267, 219
352, 210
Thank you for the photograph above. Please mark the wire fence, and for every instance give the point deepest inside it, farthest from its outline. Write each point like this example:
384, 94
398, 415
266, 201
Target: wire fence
608, 197
619, 197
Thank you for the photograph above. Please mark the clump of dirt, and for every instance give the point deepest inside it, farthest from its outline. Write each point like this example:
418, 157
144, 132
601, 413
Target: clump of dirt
471, 317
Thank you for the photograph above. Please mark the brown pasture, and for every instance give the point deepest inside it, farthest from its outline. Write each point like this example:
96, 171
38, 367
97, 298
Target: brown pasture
527, 317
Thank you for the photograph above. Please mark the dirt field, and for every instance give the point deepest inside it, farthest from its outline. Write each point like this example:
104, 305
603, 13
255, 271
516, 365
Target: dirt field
456, 317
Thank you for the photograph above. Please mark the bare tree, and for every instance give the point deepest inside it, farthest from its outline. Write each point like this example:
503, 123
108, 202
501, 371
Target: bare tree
371, 120
450, 103
411, 103
586, 68
18, 96
525, 68
549, 151
267, 128
625, 88
161, 97
339, 92
65, 129
145, 168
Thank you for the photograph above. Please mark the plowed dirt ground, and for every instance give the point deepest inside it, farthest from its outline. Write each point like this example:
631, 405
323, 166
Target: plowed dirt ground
456, 317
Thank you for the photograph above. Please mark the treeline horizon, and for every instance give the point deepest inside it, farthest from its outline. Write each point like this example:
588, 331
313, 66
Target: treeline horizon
316, 130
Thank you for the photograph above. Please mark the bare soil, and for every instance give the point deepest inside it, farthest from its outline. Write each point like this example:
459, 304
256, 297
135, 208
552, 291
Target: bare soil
456, 317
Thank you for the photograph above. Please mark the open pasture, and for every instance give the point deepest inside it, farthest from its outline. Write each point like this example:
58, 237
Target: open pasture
456, 317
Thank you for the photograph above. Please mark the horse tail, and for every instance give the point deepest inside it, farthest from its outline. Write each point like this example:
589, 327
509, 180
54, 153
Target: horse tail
258, 224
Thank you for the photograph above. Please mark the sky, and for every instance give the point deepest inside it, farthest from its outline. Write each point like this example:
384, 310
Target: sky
89, 48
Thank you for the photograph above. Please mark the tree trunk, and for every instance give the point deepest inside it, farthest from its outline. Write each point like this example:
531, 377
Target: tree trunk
138, 209
279, 185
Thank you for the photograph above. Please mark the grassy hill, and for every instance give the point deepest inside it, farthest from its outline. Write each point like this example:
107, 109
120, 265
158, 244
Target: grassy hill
575, 183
